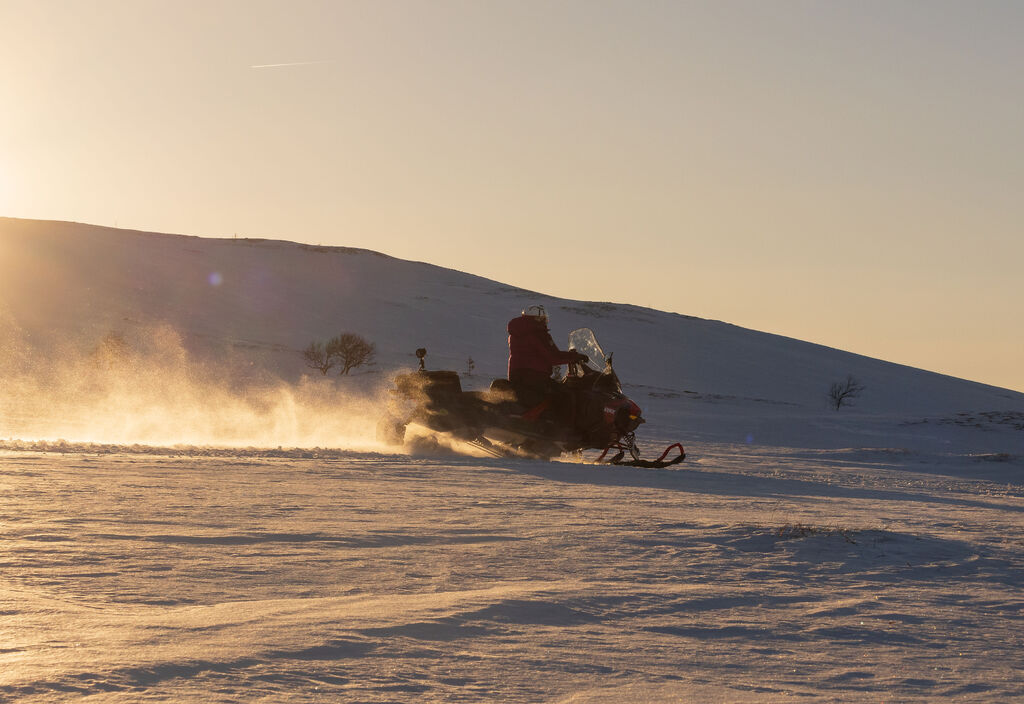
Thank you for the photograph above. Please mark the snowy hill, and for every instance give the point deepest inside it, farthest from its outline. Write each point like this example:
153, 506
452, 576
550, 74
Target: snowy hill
259, 302
257, 544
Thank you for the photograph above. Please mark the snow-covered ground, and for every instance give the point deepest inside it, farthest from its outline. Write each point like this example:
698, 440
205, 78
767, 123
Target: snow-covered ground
191, 515
752, 574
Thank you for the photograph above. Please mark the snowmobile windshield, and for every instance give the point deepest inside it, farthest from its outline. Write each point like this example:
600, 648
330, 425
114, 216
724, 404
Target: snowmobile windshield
583, 341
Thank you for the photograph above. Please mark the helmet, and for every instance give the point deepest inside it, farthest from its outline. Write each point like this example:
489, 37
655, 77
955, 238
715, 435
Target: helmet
537, 313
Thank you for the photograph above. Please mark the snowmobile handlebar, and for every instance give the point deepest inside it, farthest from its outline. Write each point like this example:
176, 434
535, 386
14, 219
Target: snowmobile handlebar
575, 364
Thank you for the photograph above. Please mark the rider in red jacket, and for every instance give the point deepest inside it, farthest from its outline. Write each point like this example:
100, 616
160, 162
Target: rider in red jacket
531, 356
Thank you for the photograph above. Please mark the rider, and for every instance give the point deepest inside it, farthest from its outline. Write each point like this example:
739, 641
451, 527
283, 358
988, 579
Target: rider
532, 354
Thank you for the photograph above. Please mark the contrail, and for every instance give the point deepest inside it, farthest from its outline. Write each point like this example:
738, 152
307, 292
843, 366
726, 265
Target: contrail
293, 63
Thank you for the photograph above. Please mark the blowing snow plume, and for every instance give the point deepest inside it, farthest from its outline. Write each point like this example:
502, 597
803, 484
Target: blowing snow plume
148, 389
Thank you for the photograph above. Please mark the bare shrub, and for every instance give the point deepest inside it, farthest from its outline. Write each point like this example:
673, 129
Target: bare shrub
351, 351
842, 393
317, 357
347, 351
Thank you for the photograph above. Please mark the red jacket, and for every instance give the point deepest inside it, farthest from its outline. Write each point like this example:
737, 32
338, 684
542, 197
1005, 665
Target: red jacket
530, 346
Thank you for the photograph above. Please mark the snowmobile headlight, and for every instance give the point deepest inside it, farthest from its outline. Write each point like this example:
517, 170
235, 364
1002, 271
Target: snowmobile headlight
626, 422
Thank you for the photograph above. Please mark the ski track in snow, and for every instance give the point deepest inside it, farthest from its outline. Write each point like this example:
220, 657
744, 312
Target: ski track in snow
750, 574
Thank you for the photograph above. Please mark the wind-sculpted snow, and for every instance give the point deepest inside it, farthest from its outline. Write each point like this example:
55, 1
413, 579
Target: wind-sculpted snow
190, 514
752, 574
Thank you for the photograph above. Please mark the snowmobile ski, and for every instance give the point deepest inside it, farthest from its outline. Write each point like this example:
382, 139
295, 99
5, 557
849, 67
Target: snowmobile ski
659, 463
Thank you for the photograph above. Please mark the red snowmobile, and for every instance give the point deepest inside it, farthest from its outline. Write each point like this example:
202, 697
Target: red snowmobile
587, 411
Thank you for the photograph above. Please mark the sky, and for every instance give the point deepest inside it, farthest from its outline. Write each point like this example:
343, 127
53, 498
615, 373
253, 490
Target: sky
847, 173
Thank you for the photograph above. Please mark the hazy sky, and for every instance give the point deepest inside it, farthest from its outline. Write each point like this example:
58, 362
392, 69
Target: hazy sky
849, 173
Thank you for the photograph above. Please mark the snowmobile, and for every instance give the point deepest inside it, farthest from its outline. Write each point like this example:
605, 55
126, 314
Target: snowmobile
587, 411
